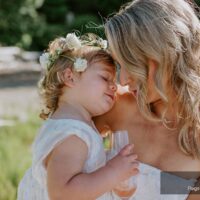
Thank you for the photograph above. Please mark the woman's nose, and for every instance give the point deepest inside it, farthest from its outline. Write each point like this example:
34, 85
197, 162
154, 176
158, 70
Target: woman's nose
123, 77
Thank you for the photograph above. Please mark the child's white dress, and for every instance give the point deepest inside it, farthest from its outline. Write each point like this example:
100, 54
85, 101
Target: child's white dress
33, 185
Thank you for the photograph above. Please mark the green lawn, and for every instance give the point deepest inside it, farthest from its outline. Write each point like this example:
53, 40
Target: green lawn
15, 154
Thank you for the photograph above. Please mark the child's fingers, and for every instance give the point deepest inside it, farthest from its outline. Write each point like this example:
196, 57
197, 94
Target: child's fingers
133, 157
126, 150
135, 164
135, 171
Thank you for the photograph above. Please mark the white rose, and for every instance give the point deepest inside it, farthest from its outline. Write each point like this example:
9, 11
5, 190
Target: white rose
44, 60
72, 41
103, 44
80, 64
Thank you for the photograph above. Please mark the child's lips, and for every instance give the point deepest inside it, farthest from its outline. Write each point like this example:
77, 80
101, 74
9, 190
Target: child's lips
112, 96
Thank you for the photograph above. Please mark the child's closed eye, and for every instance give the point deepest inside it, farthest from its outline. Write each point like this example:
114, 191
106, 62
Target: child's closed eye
105, 78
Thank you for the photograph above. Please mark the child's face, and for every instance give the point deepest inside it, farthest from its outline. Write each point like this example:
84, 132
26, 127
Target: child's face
97, 88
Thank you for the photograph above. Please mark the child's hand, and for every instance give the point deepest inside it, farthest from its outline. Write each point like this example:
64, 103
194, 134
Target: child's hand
124, 164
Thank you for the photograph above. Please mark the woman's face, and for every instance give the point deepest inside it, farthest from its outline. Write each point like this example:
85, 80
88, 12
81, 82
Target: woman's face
128, 79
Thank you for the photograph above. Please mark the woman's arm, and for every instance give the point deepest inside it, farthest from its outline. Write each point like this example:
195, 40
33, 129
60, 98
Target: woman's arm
66, 180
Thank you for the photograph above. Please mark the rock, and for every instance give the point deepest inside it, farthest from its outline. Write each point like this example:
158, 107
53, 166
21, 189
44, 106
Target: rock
30, 56
13, 59
10, 51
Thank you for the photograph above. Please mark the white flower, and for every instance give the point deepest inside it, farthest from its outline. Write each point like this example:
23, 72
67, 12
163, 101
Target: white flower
62, 42
103, 43
44, 60
72, 41
80, 64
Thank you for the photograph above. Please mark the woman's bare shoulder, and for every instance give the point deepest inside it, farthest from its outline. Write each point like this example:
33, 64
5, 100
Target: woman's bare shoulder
124, 106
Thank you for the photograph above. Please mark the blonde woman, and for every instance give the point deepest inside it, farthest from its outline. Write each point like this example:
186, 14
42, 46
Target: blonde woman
157, 45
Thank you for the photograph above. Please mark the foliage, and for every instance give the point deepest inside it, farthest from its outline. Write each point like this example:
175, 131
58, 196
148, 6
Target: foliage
54, 11
19, 21
31, 24
96, 7
84, 23
15, 155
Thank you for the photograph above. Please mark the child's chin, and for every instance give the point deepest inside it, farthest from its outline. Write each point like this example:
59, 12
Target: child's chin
105, 108
108, 109
102, 112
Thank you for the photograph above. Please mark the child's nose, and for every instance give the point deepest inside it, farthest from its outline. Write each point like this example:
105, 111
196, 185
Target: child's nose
113, 86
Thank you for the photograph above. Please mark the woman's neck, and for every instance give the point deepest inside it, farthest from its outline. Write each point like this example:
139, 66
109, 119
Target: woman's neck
169, 111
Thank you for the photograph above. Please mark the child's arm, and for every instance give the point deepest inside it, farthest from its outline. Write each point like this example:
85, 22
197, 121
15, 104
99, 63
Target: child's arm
64, 172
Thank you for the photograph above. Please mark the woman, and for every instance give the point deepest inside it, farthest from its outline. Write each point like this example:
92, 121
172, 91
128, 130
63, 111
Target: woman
157, 45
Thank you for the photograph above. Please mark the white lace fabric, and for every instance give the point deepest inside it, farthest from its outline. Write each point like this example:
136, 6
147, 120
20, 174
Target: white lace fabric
33, 185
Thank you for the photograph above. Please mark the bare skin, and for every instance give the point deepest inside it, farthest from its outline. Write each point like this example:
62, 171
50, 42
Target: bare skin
154, 144
66, 179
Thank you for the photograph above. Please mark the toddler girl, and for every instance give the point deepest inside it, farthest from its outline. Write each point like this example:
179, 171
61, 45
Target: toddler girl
69, 161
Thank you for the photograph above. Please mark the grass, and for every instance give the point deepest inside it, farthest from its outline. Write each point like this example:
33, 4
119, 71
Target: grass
15, 154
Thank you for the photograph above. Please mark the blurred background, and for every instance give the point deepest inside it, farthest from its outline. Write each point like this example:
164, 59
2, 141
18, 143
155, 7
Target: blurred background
26, 27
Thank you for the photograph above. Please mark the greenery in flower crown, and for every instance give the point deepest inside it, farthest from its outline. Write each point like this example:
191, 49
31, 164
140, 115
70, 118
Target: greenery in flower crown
53, 57
91, 39
72, 42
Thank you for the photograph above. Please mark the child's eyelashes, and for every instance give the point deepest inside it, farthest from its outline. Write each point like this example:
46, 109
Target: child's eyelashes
105, 78
108, 78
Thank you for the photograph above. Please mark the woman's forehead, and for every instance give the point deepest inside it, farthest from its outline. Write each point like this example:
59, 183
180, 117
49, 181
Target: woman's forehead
113, 54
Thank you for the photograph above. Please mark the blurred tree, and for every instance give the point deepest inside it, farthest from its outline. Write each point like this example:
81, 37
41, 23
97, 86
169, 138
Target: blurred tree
19, 22
84, 23
31, 24
198, 2
54, 11
102, 7
90, 16
54, 14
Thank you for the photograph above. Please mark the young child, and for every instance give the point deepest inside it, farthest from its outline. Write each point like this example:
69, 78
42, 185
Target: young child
69, 161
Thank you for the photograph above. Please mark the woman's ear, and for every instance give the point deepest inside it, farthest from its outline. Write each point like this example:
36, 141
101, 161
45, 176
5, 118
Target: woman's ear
152, 67
68, 77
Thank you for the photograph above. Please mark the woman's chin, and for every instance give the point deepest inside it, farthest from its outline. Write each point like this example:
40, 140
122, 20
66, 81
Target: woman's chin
134, 93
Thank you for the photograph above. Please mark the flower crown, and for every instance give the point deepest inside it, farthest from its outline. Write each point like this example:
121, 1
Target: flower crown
72, 42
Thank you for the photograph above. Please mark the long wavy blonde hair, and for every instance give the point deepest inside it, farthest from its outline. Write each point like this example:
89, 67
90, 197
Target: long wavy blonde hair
51, 84
167, 31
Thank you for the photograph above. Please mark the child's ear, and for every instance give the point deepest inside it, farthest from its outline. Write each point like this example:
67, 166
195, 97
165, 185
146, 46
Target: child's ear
68, 77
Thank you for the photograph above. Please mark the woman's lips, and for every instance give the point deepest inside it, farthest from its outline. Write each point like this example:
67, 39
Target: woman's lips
134, 92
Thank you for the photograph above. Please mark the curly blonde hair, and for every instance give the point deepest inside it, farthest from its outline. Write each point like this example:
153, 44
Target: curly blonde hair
167, 31
51, 84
